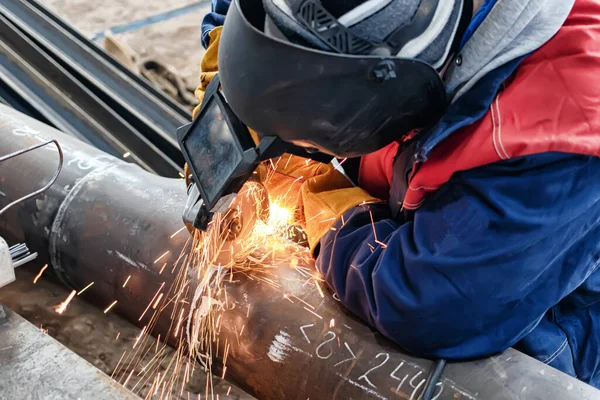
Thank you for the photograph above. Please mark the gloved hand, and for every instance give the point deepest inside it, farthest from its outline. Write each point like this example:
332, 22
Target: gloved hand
320, 193
209, 66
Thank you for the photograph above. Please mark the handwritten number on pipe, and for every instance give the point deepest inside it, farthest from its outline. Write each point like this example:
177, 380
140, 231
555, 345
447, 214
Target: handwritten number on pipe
333, 336
401, 380
347, 359
441, 386
364, 376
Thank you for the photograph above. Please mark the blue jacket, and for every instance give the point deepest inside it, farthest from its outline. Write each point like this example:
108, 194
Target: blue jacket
502, 255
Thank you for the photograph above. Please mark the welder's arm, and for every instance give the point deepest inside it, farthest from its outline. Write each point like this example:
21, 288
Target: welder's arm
215, 18
481, 263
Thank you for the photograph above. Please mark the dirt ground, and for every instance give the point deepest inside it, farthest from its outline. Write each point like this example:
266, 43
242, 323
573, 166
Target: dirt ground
99, 338
83, 328
175, 42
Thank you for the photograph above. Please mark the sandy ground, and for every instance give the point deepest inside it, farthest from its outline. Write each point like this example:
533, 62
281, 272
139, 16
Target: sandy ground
83, 328
175, 42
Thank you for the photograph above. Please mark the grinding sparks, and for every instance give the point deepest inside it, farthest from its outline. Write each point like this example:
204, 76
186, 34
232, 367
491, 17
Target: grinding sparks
175, 234
151, 301
319, 289
162, 269
38, 276
110, 306
139, 337
126, 280
332, 323
85, 288
312, 312
163, 255
63, 306
160, 296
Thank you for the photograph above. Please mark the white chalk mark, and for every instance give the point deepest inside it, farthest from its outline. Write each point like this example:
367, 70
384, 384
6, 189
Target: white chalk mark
281, 347
364, 388
413, 378
393, 375
441, 386
278, 351
412, 396
333, 336
348, 359
364, 376
130, 261
304, 333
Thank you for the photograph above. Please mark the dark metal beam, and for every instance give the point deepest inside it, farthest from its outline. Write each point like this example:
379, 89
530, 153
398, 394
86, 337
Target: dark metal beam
68, 105
105, 220
134, 99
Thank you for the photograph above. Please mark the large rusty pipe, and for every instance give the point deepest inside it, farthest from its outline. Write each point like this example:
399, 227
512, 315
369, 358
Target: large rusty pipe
105, 220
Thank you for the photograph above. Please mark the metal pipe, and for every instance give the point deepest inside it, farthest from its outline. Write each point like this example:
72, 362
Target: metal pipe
105, 220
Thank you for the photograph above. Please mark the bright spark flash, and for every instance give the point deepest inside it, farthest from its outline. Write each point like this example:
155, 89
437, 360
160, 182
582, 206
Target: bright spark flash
63, 306
39, 274
163, 255
85, 288
110, 306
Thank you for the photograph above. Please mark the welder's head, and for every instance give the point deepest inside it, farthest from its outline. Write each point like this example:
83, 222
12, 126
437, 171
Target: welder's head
344, 77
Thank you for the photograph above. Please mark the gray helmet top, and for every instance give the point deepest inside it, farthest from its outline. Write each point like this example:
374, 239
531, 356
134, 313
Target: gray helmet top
427, 30
344, 77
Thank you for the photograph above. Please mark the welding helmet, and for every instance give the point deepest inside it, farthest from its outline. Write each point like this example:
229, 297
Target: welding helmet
341, 77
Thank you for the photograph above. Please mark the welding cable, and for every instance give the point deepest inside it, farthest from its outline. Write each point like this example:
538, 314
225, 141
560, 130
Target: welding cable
432, 380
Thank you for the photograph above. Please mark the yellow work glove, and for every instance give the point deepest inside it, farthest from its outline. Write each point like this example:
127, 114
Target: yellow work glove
209, 66
319, 192
325, 198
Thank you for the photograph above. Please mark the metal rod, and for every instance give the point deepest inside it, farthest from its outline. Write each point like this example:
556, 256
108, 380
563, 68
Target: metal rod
105, 221
433, 379
25, 260
45, 187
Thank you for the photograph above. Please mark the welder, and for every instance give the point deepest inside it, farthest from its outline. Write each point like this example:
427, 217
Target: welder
468, 217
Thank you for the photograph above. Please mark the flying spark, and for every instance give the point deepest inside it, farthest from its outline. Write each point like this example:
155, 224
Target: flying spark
126, 154
173, 235
63, 306
110, 306
159, 258
126, 280
39, 274
84, 289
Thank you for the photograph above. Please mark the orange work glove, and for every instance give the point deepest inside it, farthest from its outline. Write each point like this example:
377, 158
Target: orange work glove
319, 192
209, 66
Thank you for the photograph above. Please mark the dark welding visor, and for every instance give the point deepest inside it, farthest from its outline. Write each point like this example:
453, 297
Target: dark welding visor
343, 105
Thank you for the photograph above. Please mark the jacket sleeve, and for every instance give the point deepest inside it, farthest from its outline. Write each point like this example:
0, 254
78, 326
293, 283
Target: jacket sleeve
216, 17
480, 263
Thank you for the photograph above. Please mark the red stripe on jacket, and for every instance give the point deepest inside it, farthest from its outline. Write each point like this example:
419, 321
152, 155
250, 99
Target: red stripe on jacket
552, 104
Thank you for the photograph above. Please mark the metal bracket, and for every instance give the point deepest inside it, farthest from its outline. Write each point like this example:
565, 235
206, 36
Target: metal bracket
49, 184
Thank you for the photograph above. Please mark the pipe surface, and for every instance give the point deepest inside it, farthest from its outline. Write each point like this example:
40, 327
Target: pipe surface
105, 220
